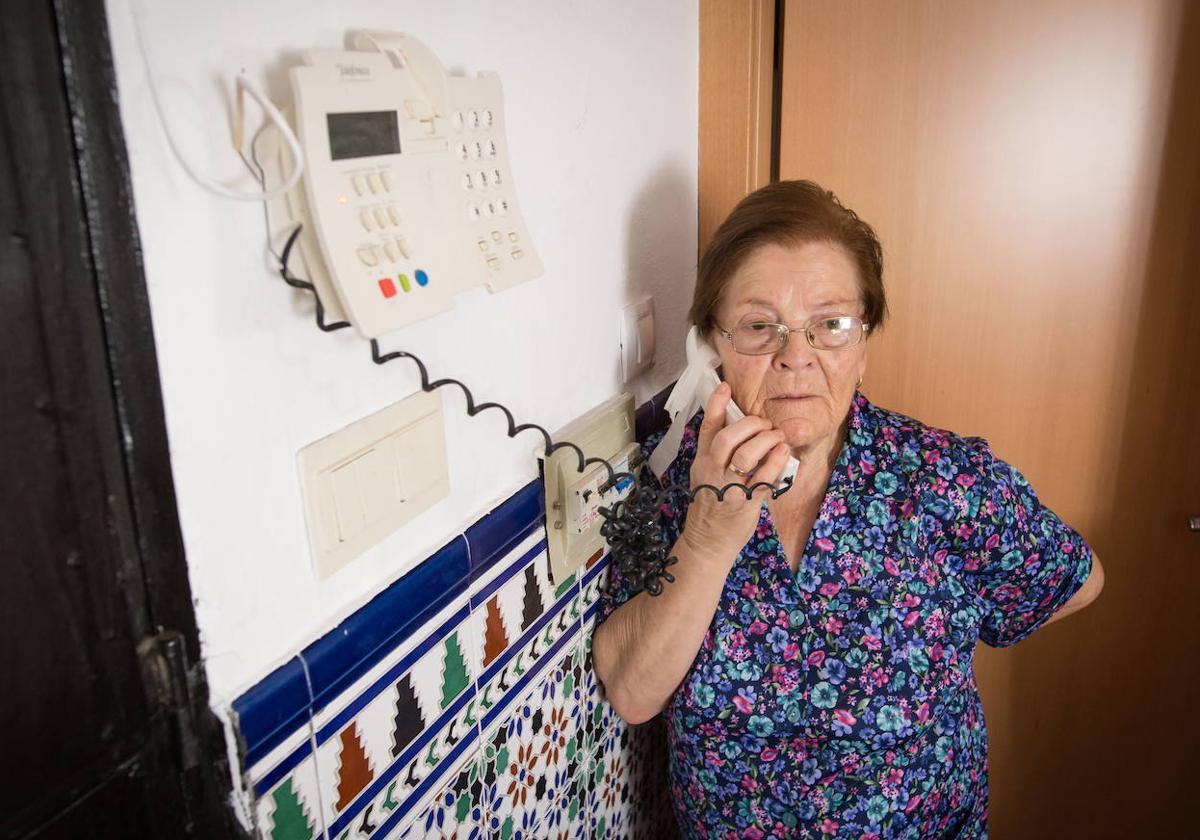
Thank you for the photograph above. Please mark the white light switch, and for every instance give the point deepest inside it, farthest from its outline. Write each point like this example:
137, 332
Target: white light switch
347, 500
645, 339
637, 338
365, 481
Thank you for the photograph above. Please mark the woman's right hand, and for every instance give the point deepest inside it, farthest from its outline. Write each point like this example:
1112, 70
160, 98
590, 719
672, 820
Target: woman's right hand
751, 445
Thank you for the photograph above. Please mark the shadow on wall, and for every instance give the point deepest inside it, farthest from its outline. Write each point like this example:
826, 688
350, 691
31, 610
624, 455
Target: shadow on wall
660, 260
1129, 659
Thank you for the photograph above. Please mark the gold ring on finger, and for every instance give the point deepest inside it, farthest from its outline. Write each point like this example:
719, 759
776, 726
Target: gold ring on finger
737, 472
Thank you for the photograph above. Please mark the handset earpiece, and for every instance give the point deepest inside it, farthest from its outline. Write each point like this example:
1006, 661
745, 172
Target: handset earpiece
691, 393
705, 356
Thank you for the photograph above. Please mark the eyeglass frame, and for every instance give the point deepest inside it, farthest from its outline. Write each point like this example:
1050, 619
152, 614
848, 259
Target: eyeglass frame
785, 332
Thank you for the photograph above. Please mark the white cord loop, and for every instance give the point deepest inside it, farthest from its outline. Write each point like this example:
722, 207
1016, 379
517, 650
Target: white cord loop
244, 86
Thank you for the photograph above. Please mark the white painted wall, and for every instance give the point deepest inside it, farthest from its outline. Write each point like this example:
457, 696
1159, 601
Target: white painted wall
602, 113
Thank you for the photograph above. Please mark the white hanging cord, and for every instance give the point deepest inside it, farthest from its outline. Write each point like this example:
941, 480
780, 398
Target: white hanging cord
244, 86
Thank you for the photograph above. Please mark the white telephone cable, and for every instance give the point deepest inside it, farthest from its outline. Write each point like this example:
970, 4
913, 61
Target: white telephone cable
244, 86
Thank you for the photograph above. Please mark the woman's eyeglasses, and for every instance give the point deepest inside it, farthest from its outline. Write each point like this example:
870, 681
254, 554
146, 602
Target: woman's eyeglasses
760, 338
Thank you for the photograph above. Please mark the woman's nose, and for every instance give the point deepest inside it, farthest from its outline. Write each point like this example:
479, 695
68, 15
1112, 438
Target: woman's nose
796, 354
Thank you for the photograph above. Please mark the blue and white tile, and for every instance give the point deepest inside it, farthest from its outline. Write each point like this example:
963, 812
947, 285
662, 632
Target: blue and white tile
455, 811
557, 740
290, 808
546, 625
370, 705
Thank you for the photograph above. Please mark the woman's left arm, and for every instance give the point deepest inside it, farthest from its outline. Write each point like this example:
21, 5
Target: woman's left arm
1026, 565
1086, 593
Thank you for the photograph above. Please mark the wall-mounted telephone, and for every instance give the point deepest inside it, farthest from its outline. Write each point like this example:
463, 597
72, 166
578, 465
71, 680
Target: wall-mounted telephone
690, 394
408, 196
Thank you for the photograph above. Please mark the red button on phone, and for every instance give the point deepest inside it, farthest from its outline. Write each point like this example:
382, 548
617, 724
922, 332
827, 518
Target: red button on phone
387, 287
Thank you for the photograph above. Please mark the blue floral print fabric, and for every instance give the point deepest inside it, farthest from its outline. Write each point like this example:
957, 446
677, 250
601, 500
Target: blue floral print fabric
840, 701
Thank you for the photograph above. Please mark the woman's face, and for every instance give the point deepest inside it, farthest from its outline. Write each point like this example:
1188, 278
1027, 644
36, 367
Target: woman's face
803, 391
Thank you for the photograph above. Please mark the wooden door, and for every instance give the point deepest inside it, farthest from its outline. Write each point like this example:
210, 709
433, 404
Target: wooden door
1031, 168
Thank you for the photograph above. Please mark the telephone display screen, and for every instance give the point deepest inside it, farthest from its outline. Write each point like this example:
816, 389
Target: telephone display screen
363, 134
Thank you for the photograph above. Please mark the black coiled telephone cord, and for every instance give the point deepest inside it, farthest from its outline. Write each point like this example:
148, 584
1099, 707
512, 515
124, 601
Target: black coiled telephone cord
640, 553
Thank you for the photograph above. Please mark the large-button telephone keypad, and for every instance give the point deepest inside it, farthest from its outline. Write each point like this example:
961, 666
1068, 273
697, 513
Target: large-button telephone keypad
483, 183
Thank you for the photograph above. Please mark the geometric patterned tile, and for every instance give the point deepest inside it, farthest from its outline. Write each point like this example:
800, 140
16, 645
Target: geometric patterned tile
592, 586
456, 811
546, 626
383, 741
557, 739
597, 714
511, 771
611, 804
289, 810
354, 769
444, 672
417, 778
573, 806
287, 787
507, 598
563, 814
532, 756
485, 722
628, 784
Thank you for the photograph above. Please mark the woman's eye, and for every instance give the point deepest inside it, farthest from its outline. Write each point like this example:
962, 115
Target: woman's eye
758, 327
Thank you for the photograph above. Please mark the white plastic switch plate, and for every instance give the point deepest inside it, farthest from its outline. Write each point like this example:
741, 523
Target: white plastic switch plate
637, 338
363, 482
573, 499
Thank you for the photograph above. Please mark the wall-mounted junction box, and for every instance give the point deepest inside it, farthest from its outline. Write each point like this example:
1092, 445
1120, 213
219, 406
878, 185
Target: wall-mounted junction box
363, 482
573, 499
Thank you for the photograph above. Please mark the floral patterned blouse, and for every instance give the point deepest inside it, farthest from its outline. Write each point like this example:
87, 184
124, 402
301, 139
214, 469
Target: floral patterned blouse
840, 701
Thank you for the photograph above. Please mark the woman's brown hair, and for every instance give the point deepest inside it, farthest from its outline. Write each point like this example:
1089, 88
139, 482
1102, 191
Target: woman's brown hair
788, 213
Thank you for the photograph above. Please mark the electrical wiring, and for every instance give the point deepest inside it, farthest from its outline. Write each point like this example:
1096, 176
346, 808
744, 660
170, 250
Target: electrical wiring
244, 87
254, 165
297, 283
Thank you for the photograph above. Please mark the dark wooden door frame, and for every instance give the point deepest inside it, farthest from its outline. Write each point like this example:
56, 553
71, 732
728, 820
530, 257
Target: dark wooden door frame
74, 234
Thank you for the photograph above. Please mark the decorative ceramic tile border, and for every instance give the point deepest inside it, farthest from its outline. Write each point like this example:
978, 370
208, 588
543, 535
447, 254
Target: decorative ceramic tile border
471, 713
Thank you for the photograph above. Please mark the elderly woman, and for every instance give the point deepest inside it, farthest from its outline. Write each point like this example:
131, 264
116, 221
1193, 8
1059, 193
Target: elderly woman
814, 656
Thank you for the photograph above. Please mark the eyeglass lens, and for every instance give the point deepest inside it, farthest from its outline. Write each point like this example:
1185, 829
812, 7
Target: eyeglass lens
826, 334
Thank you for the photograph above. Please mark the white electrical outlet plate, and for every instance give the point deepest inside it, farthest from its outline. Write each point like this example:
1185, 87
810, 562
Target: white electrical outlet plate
365, 481
573, 499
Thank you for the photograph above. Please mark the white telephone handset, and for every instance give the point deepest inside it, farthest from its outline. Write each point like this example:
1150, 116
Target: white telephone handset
690, 394
407, 53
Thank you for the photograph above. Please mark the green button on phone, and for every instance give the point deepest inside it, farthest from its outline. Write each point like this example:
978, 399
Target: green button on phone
403, 278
